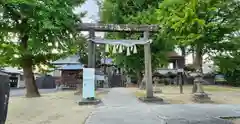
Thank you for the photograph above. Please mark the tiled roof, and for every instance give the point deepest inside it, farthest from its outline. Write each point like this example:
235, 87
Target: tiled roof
12, 70
71, 67
173, 54
3, 73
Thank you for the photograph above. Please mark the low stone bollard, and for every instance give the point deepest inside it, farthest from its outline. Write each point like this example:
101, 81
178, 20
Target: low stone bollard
4, 97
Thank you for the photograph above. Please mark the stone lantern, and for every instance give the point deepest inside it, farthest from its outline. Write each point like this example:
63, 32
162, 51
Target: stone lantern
156, 80
198, 92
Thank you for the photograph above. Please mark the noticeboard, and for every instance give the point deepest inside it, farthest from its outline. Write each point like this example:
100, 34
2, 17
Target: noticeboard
88, 83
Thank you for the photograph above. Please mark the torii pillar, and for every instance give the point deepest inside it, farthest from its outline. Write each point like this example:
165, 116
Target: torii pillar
148, 66
91, 50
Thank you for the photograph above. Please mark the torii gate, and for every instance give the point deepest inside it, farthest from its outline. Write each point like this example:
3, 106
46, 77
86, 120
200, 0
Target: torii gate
145, 29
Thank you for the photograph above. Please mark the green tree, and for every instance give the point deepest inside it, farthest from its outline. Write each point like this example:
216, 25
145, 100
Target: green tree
135, 12
30, 30
228, 62
203, 24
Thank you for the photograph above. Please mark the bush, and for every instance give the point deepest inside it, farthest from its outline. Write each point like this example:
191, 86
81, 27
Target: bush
229, 66
233, 78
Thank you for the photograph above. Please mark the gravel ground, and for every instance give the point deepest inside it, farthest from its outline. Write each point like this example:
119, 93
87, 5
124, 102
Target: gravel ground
22, 92
221, 96
237, 121
54, 108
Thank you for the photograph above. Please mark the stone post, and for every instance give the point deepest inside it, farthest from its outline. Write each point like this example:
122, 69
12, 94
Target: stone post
91, 50
148, 66
180, 80
157, 87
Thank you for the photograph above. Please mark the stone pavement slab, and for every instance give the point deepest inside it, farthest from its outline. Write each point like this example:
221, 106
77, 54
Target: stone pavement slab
120, 106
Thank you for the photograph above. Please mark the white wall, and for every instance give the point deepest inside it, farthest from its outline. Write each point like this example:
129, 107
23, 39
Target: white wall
21, 81
55, 73
207, 64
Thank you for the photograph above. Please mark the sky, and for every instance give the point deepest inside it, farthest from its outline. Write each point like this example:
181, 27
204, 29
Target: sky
92, 9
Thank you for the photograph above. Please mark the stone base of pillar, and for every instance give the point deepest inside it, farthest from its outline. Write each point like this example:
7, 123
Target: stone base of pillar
152, 100
89, 101
201, 98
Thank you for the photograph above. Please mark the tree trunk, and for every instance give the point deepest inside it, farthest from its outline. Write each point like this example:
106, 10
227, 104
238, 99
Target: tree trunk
198, 57
183, 51
198, 63
27, 65
139, 78
193, 53
31, 87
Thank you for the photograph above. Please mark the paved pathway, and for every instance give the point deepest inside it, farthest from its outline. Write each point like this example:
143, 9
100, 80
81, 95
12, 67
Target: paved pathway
121, 107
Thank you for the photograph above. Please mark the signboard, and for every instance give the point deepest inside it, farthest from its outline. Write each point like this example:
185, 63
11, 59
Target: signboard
88, 83
106, 61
